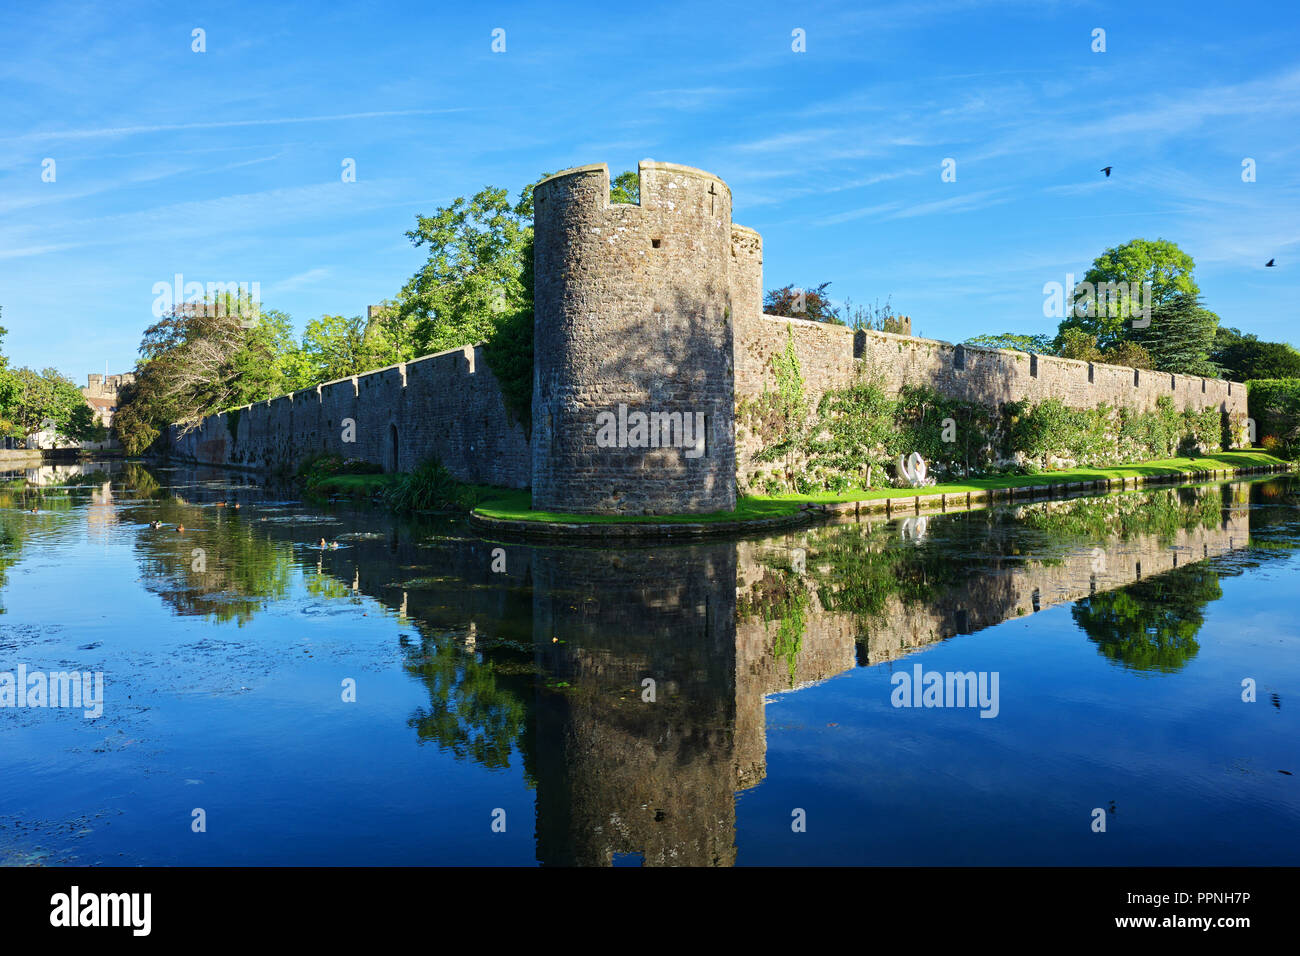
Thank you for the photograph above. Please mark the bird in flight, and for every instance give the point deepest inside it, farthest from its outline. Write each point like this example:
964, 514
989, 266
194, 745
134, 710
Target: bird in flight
1269, 264
1106, 170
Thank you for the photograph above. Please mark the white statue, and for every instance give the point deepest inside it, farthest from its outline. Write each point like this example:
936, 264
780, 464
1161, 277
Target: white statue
913, 529
912, 470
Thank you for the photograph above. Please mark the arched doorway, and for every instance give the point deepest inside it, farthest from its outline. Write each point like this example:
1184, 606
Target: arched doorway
390, 459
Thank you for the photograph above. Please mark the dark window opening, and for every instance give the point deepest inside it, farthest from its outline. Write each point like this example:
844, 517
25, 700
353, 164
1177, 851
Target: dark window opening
656, 243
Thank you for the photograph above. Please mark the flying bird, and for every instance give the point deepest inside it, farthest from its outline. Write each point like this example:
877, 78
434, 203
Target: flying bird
1106, 170
1269, 264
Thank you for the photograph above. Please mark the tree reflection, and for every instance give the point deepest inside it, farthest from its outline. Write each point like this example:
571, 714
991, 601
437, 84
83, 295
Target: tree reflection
1151, 625
472, 712
220, 567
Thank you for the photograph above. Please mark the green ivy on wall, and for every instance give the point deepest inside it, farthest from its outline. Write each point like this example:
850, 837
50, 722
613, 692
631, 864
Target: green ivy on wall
856, 433
780, 416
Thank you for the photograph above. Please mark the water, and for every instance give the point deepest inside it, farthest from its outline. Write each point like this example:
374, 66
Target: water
501, 715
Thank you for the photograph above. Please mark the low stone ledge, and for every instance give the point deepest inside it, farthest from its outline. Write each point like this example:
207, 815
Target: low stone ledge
903, 505
20, 457
623, 530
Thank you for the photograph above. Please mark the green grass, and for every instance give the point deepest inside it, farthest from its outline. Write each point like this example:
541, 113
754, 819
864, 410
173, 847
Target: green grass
1146, 469
517, 506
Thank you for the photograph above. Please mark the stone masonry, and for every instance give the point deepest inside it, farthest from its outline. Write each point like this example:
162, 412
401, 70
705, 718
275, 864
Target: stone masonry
652, 308
633, 316
447, 405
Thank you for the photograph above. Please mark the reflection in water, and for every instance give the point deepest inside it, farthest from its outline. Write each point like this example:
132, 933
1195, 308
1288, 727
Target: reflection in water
1151, 625
623, 765
628, 685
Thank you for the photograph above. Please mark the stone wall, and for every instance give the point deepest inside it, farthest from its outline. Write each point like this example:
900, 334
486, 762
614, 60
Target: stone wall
447, 405
654, 307
833, 356
11, 458
633, 311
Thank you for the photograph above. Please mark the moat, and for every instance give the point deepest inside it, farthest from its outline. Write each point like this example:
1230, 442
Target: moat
412, 693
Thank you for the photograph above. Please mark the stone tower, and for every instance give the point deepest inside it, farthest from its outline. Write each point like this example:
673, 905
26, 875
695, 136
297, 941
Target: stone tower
633, 397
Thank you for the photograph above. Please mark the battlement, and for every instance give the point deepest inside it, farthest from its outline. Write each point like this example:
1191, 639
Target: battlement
632, 310
658, 185
103, 387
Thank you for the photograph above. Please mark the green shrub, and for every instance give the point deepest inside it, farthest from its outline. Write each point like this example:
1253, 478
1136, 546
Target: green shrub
1274, 404
1051, 429
431, 487
858, 431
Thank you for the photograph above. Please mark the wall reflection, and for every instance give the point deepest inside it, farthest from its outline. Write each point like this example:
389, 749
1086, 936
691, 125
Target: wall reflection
544, 664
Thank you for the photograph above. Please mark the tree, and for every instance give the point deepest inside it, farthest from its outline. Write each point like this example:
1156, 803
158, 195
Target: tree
196, 361
1126, 268
1015, 341
1079, 345
626, 187
477, 251
8, 391
389, 337
874, 317
45, 398
1130, 354
139, 420
82, 424
1180, 336
792, 302
1244, 357
335, 347
205, 363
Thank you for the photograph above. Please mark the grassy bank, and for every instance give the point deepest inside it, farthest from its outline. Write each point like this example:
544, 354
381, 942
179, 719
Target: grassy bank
517, 506
1219, 461
431, 488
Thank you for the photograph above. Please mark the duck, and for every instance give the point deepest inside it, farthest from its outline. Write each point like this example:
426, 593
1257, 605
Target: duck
323, 545
155, 524
334, 545
220, 504
235, 506
180, 528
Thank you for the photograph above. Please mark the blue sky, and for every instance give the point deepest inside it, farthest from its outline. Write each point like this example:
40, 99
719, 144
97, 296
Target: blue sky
225, 165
